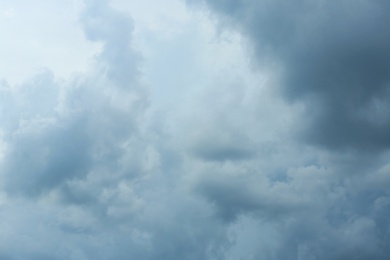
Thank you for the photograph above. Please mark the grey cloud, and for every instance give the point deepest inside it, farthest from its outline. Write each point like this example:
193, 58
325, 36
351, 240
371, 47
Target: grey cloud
234, 197
217, 144
220, 128
333, 59
82, 174
46, 159
63, 131
315, 213
333, 56
114, 29
87, 171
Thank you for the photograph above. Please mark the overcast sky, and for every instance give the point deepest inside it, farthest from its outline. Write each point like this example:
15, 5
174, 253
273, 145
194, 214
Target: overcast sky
198, 129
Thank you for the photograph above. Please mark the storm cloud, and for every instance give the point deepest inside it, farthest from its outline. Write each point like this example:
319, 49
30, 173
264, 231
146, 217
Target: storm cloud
230, 130
331, 61
332, 56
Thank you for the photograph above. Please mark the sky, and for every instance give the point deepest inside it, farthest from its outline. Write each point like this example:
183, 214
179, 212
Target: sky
183, 129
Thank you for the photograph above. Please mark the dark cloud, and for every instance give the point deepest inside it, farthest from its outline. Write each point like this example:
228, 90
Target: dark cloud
89, 171
314, 213
47, 159
333, 56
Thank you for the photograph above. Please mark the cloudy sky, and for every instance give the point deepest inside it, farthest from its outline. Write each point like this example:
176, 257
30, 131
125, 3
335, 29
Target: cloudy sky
198, 129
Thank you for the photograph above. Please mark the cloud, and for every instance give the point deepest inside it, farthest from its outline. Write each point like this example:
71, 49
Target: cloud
333, 57
216, 144
329, 63
315, 213
82, 175
61, 130
99, 166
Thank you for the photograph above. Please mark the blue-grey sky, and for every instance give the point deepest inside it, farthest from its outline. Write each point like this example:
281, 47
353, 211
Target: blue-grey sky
182, 129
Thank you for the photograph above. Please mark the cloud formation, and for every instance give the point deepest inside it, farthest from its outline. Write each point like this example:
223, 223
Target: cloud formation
98, 166
331, 59
332, 56
81, 178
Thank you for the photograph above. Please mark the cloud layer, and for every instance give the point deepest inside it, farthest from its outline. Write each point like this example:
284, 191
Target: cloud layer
287, 159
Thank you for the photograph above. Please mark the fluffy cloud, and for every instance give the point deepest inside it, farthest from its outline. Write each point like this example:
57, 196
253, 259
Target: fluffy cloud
276, 151
81, 178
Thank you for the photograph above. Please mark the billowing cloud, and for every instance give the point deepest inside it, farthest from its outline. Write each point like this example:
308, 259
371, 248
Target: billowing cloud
333, 56
81, 178
266, 139
329, 61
